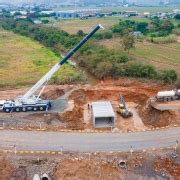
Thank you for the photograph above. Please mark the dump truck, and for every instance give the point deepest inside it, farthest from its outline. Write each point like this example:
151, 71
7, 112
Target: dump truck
32, 102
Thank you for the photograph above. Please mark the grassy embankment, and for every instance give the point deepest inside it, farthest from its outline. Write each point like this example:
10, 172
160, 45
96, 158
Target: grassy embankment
24, 61
163, 56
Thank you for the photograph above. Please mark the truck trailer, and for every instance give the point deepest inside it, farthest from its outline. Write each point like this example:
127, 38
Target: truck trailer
168, 95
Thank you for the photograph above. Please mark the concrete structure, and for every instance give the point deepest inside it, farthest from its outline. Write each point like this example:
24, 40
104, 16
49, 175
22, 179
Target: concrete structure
102, 114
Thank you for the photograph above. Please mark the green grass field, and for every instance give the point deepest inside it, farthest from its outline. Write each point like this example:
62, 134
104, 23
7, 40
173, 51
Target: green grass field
139, 9
24, 61
163, 56
144, 9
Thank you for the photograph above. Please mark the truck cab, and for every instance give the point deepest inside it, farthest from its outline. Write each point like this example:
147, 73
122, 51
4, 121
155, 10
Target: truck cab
178, 94
2, 105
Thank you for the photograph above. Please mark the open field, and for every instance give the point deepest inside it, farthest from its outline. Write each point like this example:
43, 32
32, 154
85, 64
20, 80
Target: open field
144, 9
23, 61
72, 26
162, 56
139, 9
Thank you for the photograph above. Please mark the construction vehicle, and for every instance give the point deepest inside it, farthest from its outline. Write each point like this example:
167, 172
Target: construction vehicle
168, 95
123, 109
31, 102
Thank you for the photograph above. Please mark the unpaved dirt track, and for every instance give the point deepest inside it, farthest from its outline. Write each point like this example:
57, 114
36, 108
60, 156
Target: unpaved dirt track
88, 142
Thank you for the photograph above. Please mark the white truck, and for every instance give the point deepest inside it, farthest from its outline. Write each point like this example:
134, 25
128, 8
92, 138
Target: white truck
168, 95
31, 102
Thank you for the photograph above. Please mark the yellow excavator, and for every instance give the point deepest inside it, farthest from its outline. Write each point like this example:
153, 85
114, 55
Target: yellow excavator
123, 109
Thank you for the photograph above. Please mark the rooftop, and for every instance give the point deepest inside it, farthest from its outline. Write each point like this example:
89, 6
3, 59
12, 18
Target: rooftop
102, 109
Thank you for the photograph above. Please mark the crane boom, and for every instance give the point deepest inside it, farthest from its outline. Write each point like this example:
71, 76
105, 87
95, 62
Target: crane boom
57, 66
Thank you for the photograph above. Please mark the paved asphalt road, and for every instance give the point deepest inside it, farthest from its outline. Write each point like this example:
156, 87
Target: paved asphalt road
87, 142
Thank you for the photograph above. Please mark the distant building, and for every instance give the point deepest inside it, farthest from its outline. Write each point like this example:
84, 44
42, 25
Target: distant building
20, 17
77, 13
146, 14
137, 34
21, 12
176, 11
37, 22
131, 13
47, 12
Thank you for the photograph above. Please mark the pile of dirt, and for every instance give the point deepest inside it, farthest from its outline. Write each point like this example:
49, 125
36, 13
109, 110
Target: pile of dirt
167, 166
74, 118
19, 174
87, 169
156, 118
53, 92
79, 97
6, 169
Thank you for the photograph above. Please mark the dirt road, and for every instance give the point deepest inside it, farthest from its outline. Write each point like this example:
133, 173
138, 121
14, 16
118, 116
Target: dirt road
88, 142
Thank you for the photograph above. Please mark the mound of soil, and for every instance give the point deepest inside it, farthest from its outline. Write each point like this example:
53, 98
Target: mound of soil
87, 169
73, 118
6, 170
169, 166
19, 174
156, 118
53, 92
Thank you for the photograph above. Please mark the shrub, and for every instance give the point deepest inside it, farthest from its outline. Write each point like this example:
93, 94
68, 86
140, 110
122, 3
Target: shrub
176, 31
80, 33
107, 35
103, 70
177, 16
162, 40
167, 76
98, 36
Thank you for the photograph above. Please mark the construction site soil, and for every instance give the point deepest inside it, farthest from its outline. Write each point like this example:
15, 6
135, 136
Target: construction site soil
116, 166
72, 102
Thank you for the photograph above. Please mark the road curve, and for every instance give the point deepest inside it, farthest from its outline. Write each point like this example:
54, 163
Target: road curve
87, 142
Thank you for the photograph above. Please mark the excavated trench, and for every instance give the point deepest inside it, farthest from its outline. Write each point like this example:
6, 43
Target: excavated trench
133, 91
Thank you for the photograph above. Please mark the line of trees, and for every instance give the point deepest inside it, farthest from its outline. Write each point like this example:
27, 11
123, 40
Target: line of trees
97, 59
154, 28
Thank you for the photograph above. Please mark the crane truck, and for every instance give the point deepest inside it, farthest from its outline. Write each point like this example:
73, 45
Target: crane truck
31, 102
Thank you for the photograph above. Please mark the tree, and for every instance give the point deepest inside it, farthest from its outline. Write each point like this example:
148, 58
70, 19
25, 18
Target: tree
45, 21
142, 27
80, 33
177, 16
128, 42
166, 26
168, 76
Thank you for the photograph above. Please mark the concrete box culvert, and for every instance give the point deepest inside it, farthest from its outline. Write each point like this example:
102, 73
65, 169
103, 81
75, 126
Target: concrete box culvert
103, 115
